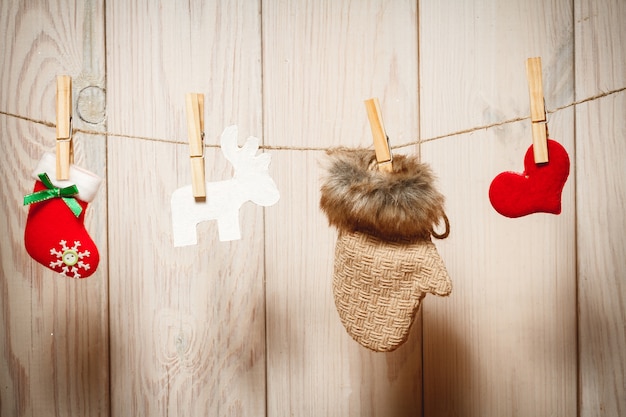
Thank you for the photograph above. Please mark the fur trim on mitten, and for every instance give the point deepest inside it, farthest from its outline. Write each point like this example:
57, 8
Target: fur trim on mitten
402, 204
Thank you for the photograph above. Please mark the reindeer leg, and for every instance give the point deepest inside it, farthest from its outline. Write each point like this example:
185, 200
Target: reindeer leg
186, 215
228, 226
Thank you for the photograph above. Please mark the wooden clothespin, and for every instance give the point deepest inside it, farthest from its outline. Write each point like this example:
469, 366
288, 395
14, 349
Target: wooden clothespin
195, 130
64, 127
537, 110
381, 141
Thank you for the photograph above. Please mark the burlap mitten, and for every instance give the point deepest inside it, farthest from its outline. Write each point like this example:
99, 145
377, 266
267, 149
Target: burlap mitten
385, 261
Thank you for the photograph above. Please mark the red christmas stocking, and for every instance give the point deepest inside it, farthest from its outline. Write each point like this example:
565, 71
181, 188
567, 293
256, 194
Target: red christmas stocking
55, 234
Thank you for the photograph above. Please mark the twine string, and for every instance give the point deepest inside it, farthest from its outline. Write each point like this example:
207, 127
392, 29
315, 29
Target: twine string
319, 148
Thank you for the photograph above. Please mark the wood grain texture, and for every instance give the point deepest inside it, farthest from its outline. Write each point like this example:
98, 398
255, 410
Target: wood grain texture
321, 61
601, 204
504, 343
53, 330
162, 50
187, 324
600, 54
313, 366
475, 53
534, 325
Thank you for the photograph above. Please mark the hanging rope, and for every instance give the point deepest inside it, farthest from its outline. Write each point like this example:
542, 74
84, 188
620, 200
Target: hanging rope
319, 148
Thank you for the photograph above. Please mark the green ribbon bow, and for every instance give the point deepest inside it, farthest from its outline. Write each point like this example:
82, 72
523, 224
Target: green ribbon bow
66, 194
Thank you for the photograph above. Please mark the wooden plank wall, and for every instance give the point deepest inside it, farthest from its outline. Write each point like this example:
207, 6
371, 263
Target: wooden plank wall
601, 204
508, 330
535, 323
321, 60
54, 345
187, 324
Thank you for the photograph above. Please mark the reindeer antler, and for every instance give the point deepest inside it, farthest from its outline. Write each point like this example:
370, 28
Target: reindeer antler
244, 158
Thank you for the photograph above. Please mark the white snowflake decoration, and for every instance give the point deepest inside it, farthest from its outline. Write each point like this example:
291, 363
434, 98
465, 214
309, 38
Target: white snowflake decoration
69, 259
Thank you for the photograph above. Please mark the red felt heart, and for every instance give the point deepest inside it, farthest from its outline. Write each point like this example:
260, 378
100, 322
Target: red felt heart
537, 189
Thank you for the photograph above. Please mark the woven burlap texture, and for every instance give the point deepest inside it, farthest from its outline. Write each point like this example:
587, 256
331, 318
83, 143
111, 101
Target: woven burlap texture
378, 286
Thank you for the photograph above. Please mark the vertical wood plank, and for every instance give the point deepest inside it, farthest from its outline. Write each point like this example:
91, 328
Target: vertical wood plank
322, 59
53, 330
504, 343
600, 191
599, 53
601, 205
187, 324
474, 50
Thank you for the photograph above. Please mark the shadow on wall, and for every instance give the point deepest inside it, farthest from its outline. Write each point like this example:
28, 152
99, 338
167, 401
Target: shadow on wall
391, 381
441, 396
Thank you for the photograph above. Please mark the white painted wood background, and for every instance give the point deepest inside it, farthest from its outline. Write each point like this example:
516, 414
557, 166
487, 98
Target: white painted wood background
535, 323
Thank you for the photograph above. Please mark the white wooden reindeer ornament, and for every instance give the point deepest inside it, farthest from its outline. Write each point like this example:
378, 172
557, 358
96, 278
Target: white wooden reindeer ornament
251, 182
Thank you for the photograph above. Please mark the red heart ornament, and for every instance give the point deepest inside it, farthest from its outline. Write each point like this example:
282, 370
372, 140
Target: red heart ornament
537, 189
